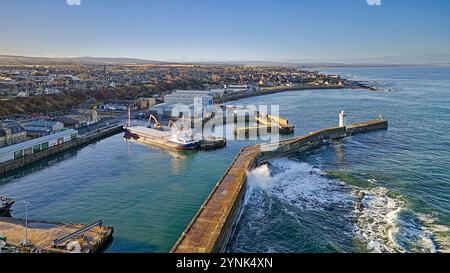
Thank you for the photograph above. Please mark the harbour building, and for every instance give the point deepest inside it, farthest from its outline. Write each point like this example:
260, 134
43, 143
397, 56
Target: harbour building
36, 145
182, 103
11, 134
42, 127
187, 97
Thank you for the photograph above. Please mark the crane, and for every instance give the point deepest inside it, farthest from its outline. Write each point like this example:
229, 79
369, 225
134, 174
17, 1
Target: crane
171, 124
157, 124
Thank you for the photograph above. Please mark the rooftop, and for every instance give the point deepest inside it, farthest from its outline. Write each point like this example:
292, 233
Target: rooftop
189, 93
40, 123
36, 141
15, 128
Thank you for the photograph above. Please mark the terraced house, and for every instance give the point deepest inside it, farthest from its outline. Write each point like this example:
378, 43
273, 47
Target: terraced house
12, 134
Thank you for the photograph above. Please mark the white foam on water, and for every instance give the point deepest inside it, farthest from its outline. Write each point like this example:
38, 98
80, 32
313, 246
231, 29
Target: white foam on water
377, 223
376, 220
380, 226
439, 235
298, 184
372, 180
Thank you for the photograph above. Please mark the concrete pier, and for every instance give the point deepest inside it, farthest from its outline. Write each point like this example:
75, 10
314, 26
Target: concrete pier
265, 124
41, 236
212, 226
212, 143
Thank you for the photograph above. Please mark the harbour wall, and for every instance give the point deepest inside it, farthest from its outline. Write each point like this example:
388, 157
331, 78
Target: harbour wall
212, 226
52, 151
263, 92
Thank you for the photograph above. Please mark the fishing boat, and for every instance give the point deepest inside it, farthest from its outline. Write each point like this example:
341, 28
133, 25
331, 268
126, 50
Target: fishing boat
5, 204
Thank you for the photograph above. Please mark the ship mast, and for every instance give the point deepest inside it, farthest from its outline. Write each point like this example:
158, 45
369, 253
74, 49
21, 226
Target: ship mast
129, 116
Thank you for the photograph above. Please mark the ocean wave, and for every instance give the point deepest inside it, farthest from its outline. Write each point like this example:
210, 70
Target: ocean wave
376, 222
381, 220
386, 224
300, 185
440, 234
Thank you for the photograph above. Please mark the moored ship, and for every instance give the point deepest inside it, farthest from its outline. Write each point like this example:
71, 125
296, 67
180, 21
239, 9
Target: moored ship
173, 137
180, 140
5, 205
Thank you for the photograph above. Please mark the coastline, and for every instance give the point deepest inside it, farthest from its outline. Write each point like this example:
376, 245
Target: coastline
291, 88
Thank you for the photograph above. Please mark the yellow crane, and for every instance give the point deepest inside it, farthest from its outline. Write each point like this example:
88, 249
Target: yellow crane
157, 124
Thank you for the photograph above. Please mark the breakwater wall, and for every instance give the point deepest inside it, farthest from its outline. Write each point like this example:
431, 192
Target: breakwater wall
52, 151
212, 226
263, 92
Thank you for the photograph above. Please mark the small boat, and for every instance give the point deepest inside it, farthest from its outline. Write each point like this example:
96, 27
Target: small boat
5, 204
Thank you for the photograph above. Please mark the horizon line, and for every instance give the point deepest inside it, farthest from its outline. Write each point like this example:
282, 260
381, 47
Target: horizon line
290, 62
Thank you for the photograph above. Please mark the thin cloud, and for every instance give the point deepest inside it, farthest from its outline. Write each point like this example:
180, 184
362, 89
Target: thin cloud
73, 2
374, 2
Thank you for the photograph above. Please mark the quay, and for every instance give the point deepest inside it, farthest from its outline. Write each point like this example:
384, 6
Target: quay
212, 143
265, 124
283, 125
212, 226
257, 130
26, 160
46, 237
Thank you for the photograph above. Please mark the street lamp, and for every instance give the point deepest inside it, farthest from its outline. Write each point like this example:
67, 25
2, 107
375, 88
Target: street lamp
26, 242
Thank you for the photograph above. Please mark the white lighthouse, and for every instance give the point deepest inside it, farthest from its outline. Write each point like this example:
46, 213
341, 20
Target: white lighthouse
342, 119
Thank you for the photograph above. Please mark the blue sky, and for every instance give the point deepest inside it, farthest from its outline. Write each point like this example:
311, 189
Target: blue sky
207, 30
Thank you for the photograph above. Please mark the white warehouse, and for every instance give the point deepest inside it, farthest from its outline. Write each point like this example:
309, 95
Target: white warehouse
36, 145
187, 97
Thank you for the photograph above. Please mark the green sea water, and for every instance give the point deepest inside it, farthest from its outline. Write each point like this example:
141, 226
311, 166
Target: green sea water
305, 203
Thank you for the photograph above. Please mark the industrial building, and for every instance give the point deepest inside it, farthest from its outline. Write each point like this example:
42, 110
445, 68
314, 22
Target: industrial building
235, 88
42, 127
144, 103
182, 103
172, 110
79, 118
36, 145
231, 89
188, 97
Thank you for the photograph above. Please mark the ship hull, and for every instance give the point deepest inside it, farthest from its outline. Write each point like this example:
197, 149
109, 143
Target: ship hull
5, 206
189, 146
163, 141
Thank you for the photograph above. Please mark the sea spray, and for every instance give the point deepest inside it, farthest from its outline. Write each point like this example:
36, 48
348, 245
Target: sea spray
291, 203
306, 187
284, 202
